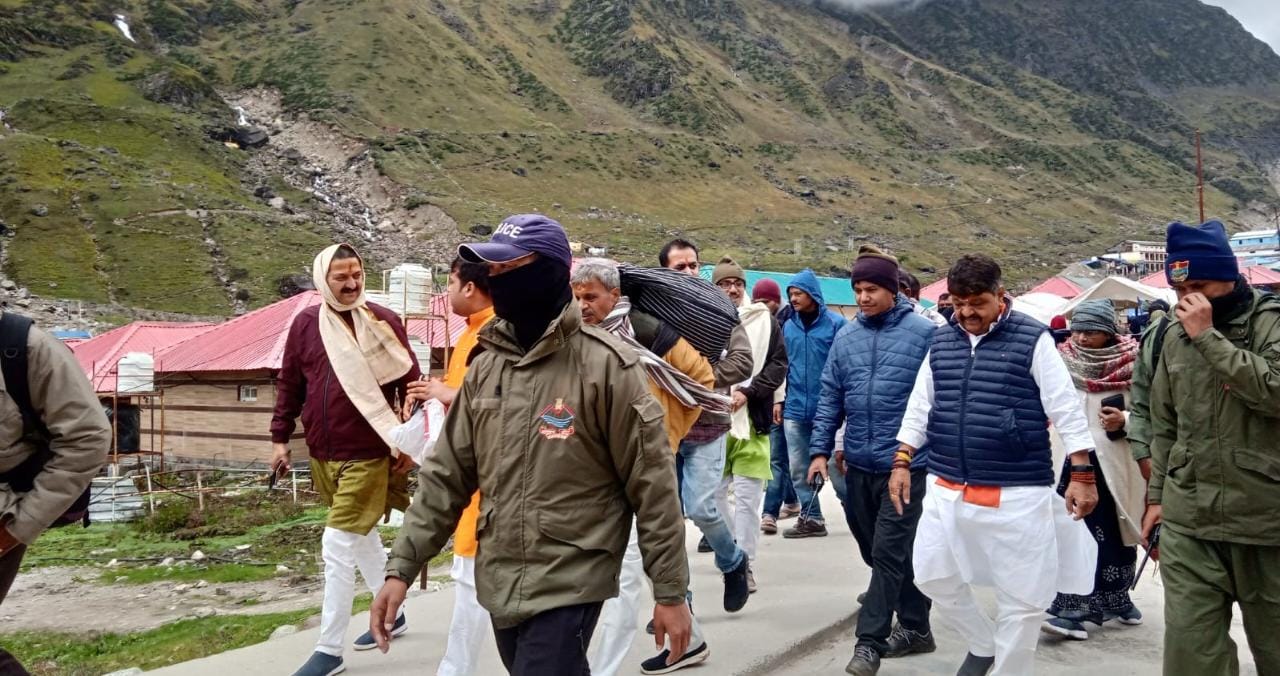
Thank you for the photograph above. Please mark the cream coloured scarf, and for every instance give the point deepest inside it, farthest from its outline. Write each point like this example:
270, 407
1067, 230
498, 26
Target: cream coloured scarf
365, 356
755, 320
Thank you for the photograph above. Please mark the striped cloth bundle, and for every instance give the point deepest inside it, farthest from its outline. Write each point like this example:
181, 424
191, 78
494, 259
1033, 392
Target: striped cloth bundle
694, 307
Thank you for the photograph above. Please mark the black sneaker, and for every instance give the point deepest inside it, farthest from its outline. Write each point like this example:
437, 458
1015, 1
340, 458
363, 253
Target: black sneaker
321, 664
865, 661
366, 641
1061, 626
806, 528
976, 666
704, 547
736, 590
903, 642
658, 663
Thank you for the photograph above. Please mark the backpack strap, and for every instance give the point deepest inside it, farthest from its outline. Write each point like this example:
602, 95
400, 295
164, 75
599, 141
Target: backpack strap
1160, 330
14, 330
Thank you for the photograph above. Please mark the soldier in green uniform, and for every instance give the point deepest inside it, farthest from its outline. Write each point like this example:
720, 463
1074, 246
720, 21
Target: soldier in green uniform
1215, 459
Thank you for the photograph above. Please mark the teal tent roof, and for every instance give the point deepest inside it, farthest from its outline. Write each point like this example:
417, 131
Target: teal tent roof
835, 290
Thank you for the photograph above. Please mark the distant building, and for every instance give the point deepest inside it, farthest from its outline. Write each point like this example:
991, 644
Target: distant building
1138, 256
1257, 247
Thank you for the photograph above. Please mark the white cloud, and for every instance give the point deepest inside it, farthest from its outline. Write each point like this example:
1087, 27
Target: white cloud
1259, 17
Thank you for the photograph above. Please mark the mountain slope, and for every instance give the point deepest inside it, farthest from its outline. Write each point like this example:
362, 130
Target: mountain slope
780, 131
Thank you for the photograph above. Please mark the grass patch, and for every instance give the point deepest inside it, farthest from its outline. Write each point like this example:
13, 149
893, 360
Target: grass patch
78, 655
213, 574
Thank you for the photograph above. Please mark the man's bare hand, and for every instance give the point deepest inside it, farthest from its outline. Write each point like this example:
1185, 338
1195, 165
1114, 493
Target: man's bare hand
777, 414
818, 466
422, 390
1081, 499
281, 459
1196, 314
1112, 419
382, 614
1144, 466
900, 488
403, 464
669, 622
7, 541
840, 463
1153, 516
739, 400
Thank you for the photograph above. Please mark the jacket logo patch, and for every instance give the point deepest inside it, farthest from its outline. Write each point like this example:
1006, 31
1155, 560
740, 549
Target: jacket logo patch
1178, 271
557, 421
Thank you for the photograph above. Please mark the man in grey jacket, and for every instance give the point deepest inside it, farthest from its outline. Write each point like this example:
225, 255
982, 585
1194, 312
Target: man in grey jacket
54, 438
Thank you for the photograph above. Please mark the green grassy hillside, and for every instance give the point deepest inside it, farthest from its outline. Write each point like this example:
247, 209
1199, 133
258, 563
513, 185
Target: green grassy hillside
784, 133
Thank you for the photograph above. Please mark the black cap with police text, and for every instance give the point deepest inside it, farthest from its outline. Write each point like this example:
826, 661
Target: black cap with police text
519, 236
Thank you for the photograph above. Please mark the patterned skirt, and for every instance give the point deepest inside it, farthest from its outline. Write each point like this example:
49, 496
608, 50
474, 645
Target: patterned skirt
1116, 560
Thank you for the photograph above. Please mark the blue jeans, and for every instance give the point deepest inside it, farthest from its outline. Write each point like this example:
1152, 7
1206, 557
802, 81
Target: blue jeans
798, 433
703, 470
780, 491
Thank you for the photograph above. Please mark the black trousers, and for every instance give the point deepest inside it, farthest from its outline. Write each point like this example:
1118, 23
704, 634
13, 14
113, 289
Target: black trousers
885, 541
551, 643
9, 564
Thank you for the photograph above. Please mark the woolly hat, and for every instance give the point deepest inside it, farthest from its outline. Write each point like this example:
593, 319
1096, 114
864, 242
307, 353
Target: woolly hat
766, 289
1098, 314
727, 269
1199, 252
875, 266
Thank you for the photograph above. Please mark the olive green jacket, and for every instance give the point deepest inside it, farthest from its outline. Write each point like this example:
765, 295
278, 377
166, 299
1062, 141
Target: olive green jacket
1138, 427
566, 444
1215, 429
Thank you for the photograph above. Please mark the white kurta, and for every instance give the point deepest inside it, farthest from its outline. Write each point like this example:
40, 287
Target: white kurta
1028, 548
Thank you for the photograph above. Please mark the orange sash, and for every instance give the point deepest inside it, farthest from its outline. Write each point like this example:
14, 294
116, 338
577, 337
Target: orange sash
982, 496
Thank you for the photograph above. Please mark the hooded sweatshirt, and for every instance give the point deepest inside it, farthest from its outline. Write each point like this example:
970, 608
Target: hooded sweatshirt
808, 344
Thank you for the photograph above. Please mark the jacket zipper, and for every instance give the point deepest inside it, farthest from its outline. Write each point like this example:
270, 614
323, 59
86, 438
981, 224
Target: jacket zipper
964, 405
324, 414
875, 348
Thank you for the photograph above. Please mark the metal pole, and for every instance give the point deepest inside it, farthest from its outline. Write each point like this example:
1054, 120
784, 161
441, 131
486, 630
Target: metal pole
1199, 176
200, 490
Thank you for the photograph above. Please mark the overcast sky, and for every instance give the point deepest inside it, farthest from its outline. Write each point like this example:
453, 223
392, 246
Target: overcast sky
1260, 17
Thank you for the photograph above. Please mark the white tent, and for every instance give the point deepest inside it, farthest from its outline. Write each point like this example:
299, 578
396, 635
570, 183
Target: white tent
1125, 293
1042, 306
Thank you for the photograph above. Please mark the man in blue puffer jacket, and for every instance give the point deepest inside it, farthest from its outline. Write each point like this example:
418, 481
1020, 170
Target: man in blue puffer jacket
809, 334
866, 384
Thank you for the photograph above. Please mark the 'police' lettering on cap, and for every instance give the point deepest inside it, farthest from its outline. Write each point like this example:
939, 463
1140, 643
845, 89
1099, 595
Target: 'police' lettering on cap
519, 236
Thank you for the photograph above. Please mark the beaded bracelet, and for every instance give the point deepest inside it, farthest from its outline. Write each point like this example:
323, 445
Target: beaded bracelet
1084, 478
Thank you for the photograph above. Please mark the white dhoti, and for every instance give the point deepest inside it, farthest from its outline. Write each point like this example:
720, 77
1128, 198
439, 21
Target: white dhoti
1027, 549
343, 553
470, 623
619, 617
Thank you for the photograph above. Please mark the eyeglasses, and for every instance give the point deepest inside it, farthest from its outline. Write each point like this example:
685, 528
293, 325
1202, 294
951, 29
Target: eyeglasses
732, 284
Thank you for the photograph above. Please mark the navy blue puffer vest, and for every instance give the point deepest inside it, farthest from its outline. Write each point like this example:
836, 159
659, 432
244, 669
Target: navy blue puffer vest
987, 426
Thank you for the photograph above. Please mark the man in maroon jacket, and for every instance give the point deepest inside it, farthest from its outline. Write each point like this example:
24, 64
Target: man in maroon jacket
346, 365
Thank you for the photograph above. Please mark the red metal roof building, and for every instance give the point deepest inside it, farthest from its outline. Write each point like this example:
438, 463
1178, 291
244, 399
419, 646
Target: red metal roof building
1058, 286
98, 356
255, 341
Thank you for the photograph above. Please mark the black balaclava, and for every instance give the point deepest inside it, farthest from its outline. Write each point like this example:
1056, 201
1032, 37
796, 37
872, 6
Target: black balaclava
530, 297
1232, 305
